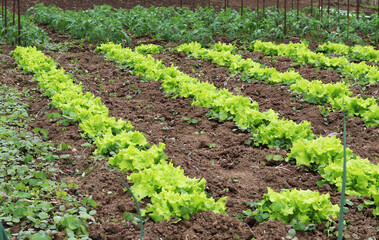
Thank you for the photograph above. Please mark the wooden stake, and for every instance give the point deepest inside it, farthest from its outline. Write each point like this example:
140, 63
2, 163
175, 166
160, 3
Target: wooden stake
277, 8
241, 8
258, 7
358, 4
5, 16
348, 21
298, 7
14, 11
338, 9
328, 7
263, 2
285, 18
322, 10
19, 22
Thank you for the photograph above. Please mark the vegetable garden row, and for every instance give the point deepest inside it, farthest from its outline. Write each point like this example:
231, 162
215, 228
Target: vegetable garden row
161, 185
104, 23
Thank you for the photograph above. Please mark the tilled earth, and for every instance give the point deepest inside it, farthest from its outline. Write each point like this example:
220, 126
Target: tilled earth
215, 151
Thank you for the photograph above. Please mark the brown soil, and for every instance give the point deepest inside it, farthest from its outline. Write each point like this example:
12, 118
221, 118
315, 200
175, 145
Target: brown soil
231, 167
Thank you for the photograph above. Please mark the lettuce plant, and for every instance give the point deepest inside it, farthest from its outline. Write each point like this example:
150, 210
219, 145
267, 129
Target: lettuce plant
150, 181
318, 153
293, 206
355, 53
149, 48
135, 159
181, 205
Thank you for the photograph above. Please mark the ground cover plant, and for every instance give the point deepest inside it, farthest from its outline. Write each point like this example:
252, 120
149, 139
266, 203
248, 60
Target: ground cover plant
30, 193
186, 130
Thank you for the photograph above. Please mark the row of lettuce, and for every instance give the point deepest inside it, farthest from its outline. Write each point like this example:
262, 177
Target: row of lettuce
105, 23
361, 72
337, 95
356, 53
32, 198
171, 193
322, 154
